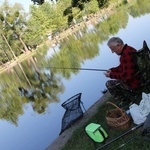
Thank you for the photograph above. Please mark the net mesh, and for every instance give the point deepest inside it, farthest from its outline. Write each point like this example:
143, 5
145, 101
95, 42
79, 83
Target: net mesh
73, 111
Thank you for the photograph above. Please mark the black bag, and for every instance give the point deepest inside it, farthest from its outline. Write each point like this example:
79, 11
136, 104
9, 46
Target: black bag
142, 58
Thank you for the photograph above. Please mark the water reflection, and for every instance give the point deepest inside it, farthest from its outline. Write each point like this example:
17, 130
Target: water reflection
21, 104
28, 84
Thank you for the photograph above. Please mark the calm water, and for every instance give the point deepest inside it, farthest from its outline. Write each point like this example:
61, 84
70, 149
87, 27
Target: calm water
34, 130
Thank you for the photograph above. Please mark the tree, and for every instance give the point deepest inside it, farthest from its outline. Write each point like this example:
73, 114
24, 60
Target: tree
13, 20
43, 19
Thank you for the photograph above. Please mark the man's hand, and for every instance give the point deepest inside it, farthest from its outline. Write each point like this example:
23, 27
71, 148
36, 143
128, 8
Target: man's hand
107, 73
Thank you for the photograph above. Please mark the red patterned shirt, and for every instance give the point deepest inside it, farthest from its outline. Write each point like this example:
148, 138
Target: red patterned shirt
127, 69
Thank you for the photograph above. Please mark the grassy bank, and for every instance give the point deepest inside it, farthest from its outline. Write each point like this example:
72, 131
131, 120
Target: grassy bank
80, 140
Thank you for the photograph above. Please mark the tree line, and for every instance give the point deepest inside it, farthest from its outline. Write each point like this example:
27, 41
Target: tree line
22, 31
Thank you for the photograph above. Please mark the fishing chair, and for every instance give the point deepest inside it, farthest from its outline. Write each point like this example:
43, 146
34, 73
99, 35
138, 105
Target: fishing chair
142, 58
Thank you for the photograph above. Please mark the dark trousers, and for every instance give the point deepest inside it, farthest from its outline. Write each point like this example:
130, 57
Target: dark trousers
118, 89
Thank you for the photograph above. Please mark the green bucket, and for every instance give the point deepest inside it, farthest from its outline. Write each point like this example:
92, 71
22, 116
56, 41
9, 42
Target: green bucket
96, 132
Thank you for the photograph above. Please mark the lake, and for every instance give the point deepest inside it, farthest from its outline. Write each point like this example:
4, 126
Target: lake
34, 121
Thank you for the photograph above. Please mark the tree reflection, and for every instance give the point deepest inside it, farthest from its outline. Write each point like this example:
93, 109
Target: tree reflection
112, 25
10, 103
73, 53
139, 8
45, 89
15, 92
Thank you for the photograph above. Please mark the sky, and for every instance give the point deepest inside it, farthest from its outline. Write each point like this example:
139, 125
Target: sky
26, 3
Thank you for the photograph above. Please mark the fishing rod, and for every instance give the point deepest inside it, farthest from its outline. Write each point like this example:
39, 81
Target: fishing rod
128, 141
132, 129
79, 69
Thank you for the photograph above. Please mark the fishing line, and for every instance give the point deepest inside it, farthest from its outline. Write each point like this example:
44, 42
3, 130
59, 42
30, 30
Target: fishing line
79, 69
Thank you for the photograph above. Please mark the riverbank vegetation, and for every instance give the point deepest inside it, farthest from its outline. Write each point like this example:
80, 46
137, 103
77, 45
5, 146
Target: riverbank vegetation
81, 141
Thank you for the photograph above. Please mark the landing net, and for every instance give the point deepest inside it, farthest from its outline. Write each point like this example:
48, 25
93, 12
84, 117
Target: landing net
73, 111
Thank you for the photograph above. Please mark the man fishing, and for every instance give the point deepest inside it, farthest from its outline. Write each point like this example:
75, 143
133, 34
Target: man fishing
124, 77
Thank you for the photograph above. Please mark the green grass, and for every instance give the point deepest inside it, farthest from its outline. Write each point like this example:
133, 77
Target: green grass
81, 141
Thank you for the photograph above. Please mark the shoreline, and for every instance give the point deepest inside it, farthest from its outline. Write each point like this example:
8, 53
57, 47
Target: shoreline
9, 65
62, 139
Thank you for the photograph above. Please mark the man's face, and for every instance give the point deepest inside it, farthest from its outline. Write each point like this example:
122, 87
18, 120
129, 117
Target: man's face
116, 49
